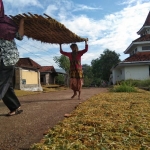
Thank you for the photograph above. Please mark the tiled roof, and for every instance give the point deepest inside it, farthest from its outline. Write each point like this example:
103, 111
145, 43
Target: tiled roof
140, 56
47, 69
27, 63
143, 38
147, 21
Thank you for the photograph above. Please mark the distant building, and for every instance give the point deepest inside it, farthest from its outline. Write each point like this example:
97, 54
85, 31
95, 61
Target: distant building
47, 75
27, 75
137, 65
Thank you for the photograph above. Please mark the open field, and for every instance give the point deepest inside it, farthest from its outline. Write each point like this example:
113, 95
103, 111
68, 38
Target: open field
115, 121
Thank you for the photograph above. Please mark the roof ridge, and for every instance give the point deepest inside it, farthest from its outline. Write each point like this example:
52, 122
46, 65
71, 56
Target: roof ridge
139, 56
147, 21
46, 66
32, 62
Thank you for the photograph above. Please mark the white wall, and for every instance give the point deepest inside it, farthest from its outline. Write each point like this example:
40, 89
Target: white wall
131, 72
137, 72
139, 48
117, 75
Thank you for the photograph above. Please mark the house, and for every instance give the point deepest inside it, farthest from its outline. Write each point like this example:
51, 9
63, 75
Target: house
137, 65
47, 75
65, 76
27, 75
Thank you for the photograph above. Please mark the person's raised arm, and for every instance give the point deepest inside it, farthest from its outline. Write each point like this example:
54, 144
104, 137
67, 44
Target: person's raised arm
62, 52
86, 41
60, 48
86, 45
86, 48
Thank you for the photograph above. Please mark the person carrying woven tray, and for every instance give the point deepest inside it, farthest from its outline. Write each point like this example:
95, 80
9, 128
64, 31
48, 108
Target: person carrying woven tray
76, 73
9, 55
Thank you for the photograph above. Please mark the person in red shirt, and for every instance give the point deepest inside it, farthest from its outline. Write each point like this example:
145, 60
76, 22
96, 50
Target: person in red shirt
76, 73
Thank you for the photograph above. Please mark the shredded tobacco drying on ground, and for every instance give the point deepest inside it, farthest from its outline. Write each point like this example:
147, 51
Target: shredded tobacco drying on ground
115, 121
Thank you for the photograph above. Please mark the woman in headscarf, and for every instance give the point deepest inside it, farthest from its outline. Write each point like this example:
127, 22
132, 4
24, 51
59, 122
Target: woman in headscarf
76, 73
9, 55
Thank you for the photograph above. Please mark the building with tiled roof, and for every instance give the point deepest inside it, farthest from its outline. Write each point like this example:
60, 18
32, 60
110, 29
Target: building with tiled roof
47, 69
27, 63
27, 75
48, 74
137, 65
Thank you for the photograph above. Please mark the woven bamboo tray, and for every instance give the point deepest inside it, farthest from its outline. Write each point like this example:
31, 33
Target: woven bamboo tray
46, 29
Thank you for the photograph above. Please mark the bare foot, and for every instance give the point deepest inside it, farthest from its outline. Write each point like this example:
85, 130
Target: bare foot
74, 95
67, 115
79, 98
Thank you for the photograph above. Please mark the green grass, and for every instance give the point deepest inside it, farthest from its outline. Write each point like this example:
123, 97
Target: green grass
138, 83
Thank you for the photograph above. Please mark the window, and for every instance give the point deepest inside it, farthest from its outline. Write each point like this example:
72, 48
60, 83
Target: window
145, 48
132, 53
23, 81
42, 79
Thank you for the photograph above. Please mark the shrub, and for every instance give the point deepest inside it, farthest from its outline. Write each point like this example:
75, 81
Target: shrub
137, 83
125, 86
144, 83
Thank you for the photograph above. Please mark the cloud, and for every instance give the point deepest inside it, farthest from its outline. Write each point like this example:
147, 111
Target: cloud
22, 6
51, 9
133, 2
115, 31
36, 50
66, 8
85, 7
24, 3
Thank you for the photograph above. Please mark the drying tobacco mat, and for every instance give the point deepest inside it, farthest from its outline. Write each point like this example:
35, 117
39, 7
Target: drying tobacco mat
108, 121
46, 29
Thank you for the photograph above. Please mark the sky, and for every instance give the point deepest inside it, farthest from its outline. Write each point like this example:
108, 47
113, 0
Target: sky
108, 24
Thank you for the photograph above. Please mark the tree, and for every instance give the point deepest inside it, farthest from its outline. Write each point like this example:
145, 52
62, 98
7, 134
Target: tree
59, 79
63, 62
88, 75
101, 66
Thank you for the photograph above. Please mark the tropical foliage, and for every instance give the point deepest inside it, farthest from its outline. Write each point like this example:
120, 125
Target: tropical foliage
88, 75
101, 66
60, 79
124, 86
63, 62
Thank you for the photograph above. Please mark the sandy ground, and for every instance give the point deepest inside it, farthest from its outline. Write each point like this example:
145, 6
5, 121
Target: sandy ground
40, 113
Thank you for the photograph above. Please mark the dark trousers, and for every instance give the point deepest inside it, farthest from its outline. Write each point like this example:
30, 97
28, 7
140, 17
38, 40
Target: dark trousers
6, 88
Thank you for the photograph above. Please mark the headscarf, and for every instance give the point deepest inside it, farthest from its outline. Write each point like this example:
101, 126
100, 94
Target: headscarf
8, 28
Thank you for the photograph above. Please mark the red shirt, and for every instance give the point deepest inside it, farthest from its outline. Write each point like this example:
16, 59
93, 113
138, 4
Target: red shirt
75, 65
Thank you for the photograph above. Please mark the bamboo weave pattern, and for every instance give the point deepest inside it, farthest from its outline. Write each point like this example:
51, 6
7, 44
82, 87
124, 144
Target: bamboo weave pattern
46, 29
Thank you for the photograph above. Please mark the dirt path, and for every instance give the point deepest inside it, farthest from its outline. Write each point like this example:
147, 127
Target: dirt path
41, 112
